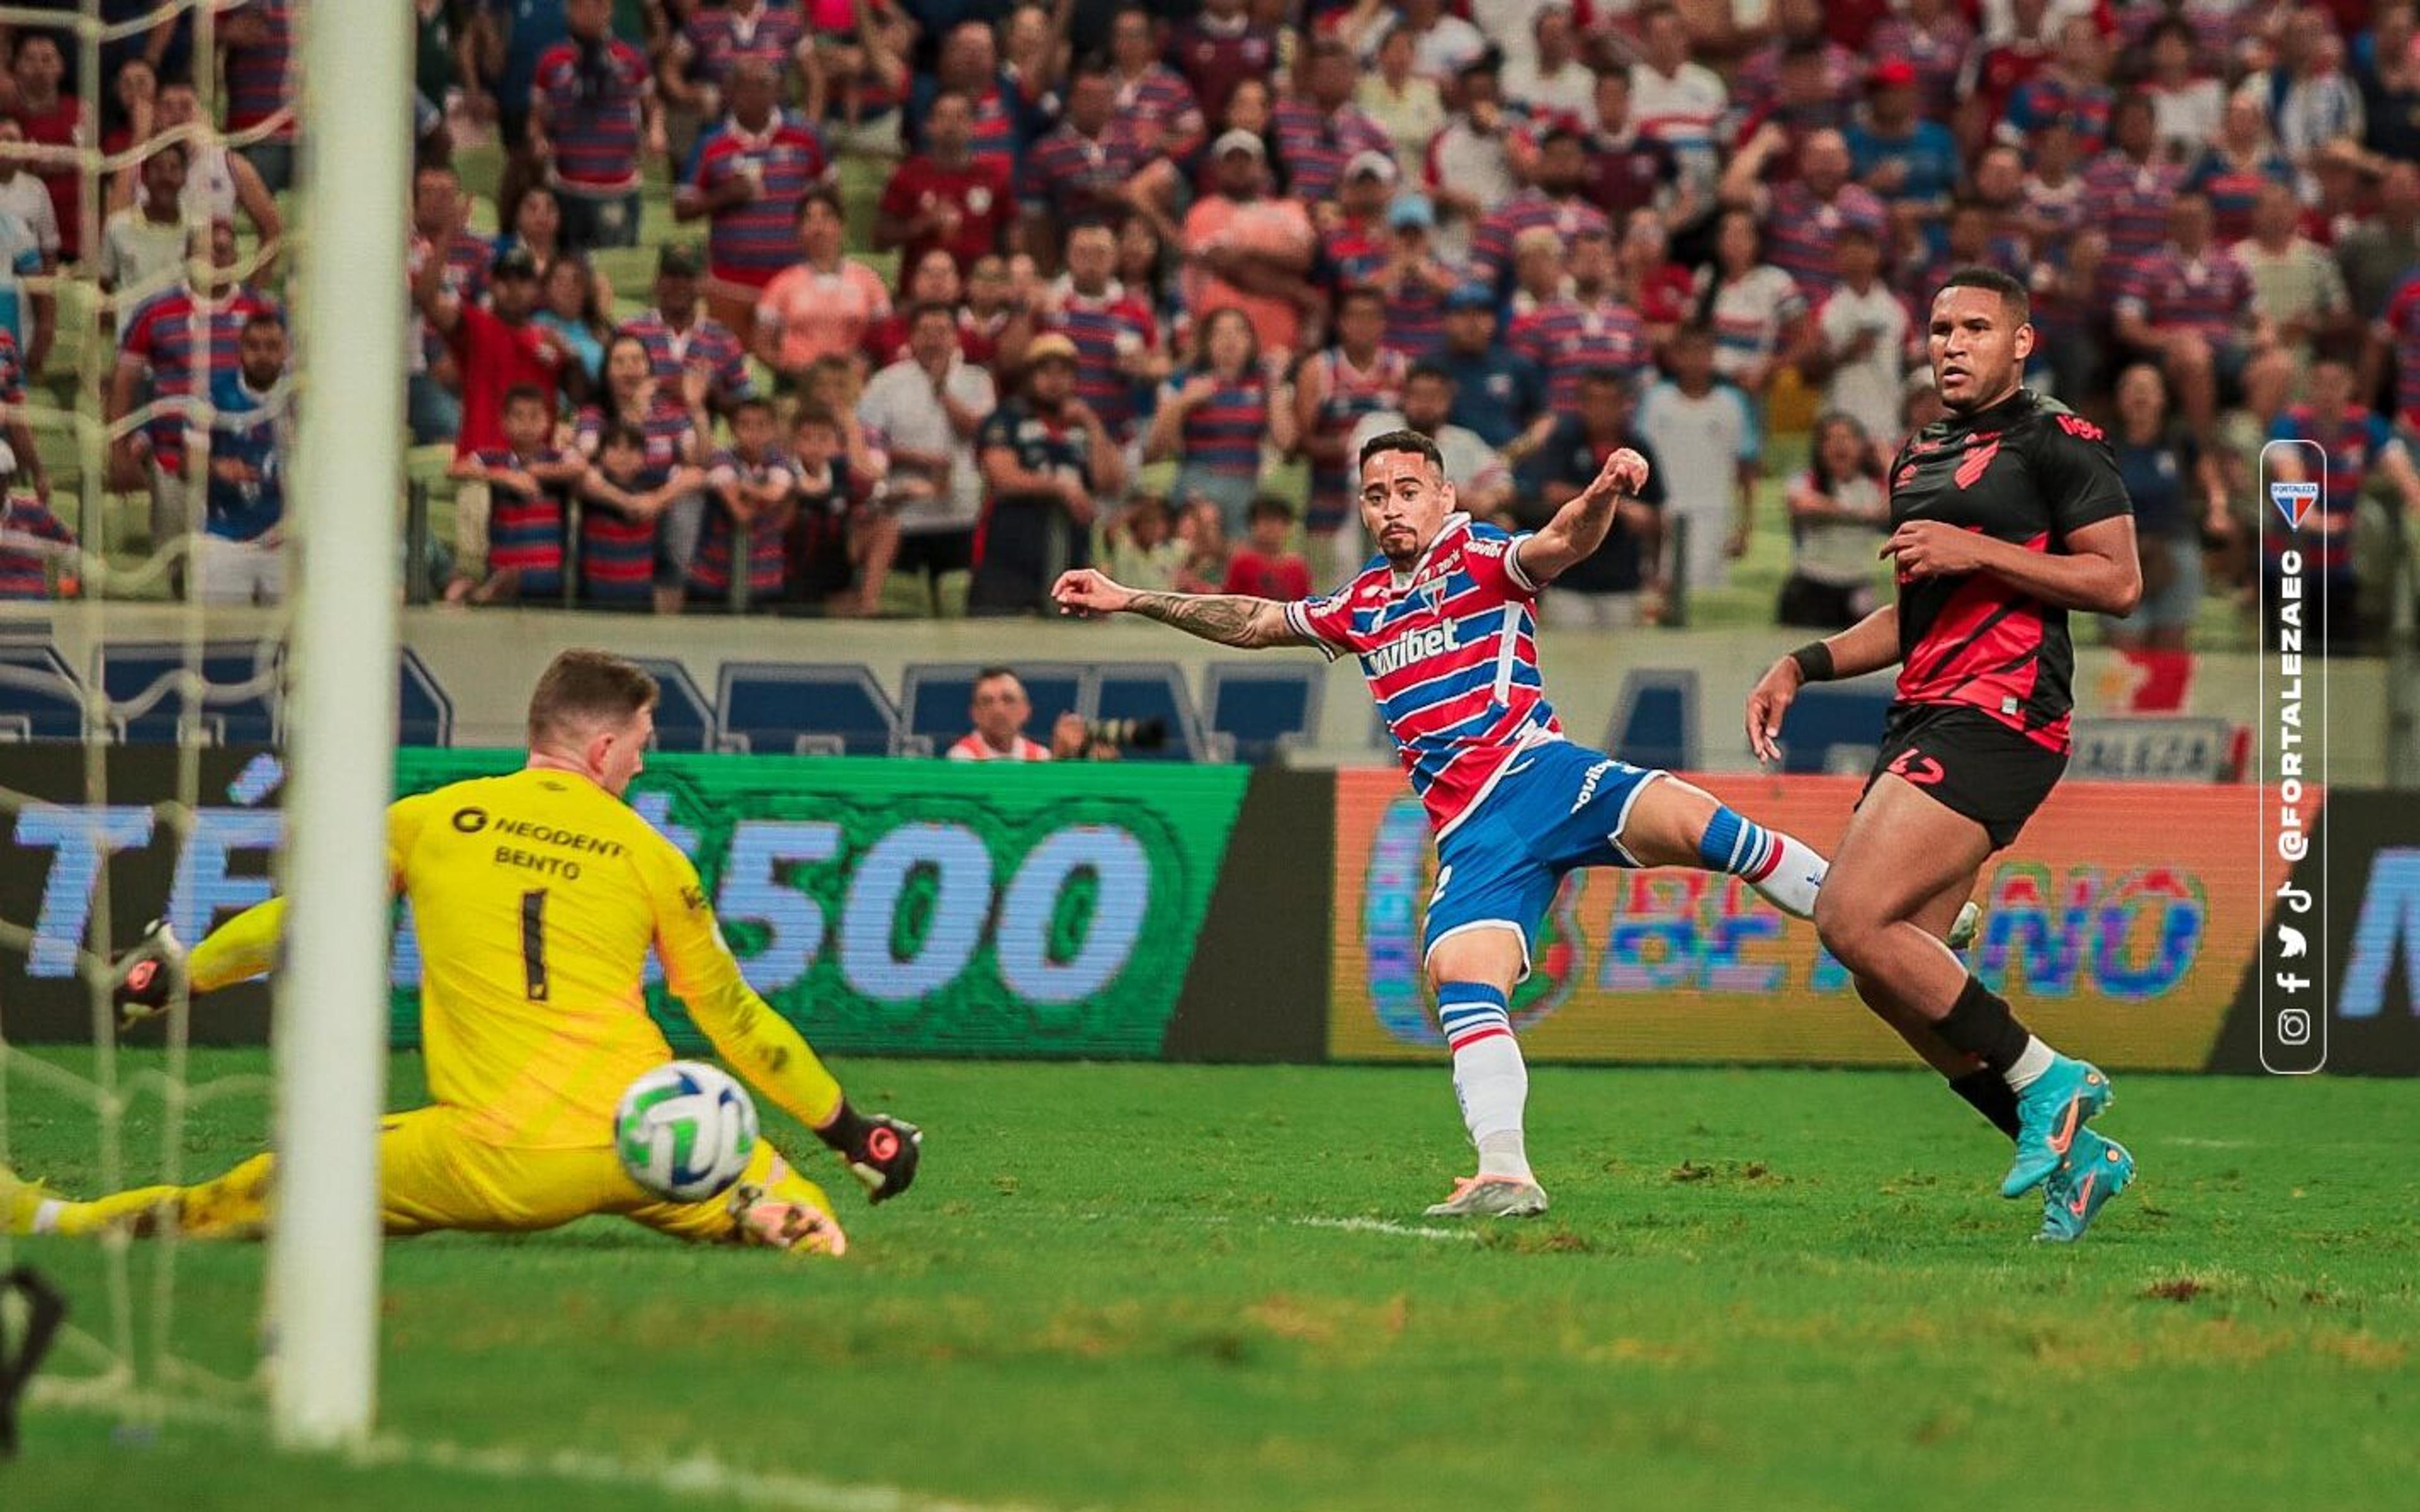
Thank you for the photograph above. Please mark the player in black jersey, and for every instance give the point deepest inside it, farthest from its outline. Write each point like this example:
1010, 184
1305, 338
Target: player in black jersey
2006, 515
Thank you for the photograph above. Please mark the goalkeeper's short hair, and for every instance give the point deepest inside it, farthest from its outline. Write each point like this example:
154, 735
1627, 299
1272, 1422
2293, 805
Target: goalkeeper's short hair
583, 687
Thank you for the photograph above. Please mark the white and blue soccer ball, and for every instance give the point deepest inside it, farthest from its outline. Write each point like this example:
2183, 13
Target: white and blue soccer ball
685, 1131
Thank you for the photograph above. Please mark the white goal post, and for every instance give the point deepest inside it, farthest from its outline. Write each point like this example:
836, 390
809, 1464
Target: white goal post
331, 1025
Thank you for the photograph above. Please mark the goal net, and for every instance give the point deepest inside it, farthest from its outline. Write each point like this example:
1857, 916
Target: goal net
168, 751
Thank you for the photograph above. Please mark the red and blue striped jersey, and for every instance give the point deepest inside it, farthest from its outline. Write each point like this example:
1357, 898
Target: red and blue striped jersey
2401, 326
525, 530
1103, 326
618, 552
1566, 339
748, 242
1937, 56
1451, 653
1801, 230
998, 135
164, 333
1315, 147
2208, 294
1352, 253
1348, 395
1491, 246
2044, 99
594, 124
671, 439
1159, 98
1416, 319
2128, 201
707, 342
1223, 434
2234, 188
2352, 443
260, 78
718, 37
24, 519
1072, 174
766, 563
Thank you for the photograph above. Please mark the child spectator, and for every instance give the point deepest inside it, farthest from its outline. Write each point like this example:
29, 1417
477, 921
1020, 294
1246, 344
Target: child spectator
1706, 435
31, 537
831, 490
626, 493
1861, 333
750, 488
1211, 421
528, 479
1839, 519
1264, 568
1145, 552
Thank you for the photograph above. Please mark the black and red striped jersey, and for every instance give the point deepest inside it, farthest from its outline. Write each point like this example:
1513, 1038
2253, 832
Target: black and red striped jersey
2027, 471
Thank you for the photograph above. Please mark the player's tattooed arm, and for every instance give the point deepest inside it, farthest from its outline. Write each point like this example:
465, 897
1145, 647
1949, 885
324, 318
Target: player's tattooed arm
1229, 619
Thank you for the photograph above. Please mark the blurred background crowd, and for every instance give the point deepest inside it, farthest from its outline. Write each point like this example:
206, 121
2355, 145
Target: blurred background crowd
857, 307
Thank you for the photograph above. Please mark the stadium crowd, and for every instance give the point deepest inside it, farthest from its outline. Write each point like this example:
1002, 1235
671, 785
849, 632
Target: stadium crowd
1159, 267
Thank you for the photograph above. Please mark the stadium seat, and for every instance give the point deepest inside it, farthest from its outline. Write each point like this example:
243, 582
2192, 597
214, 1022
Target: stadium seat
785, 708
684, 716
39, 699
934, 695
1150, 691
1833, 729
1260, 708
1656, 721
424, 715
150, 703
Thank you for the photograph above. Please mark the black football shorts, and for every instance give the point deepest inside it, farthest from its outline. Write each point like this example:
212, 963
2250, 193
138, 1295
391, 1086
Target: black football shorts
1970, 763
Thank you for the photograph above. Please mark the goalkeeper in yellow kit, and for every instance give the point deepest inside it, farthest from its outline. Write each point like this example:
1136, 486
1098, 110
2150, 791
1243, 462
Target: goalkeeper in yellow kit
537, 896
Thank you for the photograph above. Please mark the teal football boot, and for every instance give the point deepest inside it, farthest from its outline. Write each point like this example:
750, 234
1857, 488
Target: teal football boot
2049, 1113
2096, 1169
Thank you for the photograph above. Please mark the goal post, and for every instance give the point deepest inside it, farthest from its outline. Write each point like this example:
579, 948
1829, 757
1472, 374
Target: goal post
330, 1019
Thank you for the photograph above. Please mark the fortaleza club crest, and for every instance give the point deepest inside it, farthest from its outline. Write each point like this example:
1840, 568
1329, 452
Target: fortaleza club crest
2294, 501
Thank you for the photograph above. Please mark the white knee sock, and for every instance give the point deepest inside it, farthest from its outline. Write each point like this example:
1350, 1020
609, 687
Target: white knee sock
1783, 868
1490, 1080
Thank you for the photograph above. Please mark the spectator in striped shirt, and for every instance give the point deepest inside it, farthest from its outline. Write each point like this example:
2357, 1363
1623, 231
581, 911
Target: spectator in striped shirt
258, 37
1802, 217
2129, 188
1933, 39
822, 305
31, 538
1003, 123
681, 338
2189, 307
1334, 389
751, 488
673, 422
1798, 26
625, 496
1415, 279
2395, 343
1117, 337
528, 481
2360, 449
593, 109
1585, 329
696, 68
1756, 309
1320, 131
2074, 88
1094, 166
747, 178
1555, 200
1151, 97
1212, 420
2231, 170
182, 341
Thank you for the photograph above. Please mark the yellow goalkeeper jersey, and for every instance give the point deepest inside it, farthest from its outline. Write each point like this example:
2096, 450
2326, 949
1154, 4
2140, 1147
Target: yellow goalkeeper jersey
537, 896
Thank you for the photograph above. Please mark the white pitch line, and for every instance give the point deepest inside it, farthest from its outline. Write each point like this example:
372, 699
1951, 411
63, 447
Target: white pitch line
698, 1475
1382, 1226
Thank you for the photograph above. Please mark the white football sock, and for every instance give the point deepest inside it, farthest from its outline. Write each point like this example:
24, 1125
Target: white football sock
2028, 1066
1795, 878
1492, 1082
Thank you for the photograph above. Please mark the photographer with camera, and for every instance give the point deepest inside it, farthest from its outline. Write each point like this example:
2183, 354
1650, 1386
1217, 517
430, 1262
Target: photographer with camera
1001, 708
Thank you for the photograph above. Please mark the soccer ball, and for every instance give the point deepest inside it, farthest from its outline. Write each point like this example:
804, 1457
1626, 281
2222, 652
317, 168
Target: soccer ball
685, 1131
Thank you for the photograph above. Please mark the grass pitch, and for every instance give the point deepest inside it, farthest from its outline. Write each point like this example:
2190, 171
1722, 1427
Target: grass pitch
1209, 1287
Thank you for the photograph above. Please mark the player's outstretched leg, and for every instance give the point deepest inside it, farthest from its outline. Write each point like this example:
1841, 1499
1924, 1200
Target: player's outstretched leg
1903, 850
233, 1206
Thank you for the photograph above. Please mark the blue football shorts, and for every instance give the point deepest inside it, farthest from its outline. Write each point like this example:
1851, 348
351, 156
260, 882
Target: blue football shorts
1560, 807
